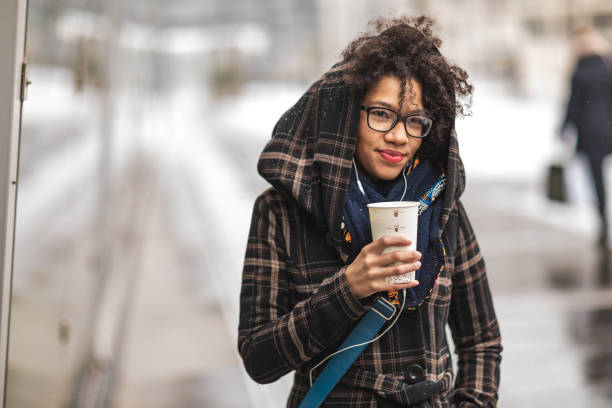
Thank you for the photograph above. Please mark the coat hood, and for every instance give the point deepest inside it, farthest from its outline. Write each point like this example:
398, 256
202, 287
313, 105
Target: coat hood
309, 157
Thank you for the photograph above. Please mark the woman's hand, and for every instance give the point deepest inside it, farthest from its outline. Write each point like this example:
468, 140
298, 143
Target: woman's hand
366, 275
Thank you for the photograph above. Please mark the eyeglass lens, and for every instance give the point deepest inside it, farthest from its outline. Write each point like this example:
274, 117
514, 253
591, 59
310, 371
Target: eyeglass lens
384, 120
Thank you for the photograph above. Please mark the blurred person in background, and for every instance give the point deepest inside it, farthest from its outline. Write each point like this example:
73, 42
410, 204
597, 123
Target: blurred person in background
589, 110
378, 126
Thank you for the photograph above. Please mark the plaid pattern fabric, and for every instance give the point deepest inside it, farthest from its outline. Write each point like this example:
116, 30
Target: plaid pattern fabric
296, 306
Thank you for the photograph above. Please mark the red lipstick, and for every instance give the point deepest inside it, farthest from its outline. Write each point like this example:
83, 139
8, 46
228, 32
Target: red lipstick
392, 156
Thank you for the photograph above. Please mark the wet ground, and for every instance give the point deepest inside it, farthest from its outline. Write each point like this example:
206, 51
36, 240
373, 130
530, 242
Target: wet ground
553, 299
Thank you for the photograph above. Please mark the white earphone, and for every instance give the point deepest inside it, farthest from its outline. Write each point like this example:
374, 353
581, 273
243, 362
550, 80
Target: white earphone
403, 174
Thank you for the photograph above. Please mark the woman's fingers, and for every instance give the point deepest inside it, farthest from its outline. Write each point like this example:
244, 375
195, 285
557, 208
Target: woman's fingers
396, 257
382, 272
398, 269
368, 272
399, 256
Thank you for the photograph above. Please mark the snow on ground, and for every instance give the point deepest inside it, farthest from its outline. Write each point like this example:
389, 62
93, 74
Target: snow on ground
507, 137
511, 141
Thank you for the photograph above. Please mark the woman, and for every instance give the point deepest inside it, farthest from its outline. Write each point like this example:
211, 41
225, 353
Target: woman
589, 110
376, 127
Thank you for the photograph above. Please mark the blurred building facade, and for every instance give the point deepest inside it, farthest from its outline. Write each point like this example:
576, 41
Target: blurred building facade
228, 43
524, 42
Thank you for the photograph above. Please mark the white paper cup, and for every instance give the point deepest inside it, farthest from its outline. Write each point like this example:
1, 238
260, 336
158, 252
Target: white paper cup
396, 218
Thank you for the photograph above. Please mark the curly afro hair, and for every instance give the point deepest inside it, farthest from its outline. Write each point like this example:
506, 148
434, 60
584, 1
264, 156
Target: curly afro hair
406, 48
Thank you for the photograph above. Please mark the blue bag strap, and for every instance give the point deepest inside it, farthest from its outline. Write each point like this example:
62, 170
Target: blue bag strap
364, 331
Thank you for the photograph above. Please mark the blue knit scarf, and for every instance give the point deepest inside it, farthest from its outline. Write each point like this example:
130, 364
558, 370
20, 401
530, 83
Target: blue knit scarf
424, 183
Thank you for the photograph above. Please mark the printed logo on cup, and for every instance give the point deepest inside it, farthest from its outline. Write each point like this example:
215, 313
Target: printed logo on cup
395, 214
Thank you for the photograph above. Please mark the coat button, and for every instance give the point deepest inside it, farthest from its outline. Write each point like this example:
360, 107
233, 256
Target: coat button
415, 373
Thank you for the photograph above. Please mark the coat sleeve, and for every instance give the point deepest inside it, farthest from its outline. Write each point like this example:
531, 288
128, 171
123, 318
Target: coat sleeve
473, 324
274, 337
573, 113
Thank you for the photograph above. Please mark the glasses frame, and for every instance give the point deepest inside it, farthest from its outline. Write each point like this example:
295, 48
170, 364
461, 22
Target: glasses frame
398, 117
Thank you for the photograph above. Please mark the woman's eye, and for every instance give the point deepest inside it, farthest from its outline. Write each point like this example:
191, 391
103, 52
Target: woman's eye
381, 114
416, 120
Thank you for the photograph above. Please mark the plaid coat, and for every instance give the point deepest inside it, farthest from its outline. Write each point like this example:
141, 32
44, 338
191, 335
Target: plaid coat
296, 306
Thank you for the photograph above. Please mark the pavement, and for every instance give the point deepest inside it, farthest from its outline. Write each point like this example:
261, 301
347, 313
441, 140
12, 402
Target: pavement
552, 292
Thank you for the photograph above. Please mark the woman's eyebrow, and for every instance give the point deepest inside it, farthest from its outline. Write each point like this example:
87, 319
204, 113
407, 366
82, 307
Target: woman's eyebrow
387, 105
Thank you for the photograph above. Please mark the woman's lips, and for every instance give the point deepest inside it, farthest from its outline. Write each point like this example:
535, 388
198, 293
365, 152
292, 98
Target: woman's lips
392, 156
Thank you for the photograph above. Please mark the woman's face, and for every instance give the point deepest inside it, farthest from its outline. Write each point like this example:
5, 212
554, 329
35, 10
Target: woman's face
383, 155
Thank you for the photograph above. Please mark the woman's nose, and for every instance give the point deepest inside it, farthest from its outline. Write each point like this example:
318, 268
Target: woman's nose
397, 135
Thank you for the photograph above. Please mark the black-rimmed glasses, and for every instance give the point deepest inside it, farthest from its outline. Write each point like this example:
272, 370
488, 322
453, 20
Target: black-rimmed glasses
385, 119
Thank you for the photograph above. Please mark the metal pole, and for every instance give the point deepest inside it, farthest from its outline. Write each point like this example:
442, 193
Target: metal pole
12, 46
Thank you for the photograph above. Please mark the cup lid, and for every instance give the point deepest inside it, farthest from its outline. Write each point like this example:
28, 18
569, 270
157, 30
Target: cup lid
393, 204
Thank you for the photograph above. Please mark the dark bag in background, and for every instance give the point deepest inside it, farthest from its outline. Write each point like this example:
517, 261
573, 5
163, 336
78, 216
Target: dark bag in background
555, 183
